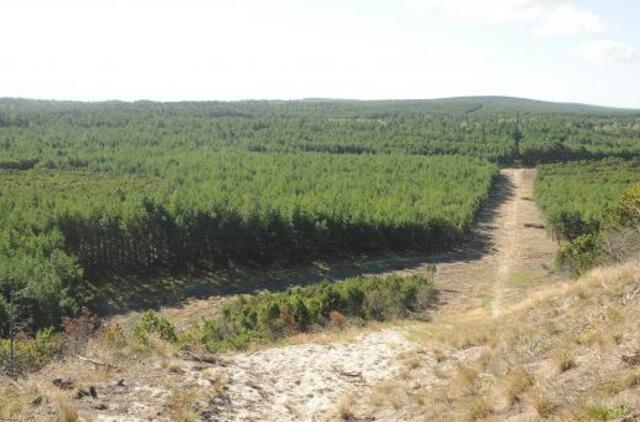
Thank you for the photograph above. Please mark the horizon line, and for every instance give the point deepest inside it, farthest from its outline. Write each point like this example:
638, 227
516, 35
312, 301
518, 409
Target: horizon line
327, 99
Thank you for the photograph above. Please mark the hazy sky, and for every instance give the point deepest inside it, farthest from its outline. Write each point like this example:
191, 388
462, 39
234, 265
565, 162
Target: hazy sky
582, 51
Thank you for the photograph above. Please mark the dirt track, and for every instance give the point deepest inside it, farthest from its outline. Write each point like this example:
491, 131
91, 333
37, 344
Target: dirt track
519, 254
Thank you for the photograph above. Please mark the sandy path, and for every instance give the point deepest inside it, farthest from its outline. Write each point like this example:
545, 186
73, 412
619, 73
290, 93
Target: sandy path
514, 258
508, 246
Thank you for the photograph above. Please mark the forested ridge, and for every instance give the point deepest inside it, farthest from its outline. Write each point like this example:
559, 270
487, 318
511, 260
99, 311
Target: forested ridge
116, 135
95, 188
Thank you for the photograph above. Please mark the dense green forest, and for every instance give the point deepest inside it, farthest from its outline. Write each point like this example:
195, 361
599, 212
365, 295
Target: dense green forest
93, 188
593, 207
239, 206
578, 197
122, 136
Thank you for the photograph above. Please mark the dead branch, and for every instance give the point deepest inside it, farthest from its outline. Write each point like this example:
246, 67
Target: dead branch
96, 362
206, 358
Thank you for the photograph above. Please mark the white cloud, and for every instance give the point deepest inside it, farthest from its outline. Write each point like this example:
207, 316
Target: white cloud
552, 17
491, 11
571, 20
607, 51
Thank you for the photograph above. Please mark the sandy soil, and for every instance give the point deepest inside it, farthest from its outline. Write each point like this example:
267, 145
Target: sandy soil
304, 382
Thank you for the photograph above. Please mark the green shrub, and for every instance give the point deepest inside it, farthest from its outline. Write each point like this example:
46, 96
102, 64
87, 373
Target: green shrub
581, 254
30, 354
268, 316
627, 211
152, 323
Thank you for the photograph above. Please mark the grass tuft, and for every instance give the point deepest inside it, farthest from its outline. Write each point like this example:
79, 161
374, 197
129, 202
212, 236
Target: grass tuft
598, 412
477, 408
564, 360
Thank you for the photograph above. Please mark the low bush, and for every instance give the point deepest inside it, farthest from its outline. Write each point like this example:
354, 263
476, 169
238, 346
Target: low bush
260, 318
152, 323
581, 254
29, 353
267, 316
627, 211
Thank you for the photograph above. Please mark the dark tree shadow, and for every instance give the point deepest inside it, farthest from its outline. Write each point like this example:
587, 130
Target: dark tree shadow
121, 294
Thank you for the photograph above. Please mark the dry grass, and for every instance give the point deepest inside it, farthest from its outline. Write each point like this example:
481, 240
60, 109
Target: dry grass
12, 400
463, 383
631, 380
175, 367
439, 355
619, 383
516, 384
181, 403
413, 359
540, 402
557, 355
345, 409
563, 360
218, 382
476, 408
334, 335
68, 412
391, 394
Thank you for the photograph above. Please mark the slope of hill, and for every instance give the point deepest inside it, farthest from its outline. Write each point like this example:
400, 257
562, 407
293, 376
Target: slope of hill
568, 352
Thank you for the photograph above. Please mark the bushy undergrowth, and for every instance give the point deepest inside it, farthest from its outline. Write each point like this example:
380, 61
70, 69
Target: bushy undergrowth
266, 317
581, 254
30, 354
598, 412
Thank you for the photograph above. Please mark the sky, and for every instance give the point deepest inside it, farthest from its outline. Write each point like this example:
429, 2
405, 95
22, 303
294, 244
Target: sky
170, 50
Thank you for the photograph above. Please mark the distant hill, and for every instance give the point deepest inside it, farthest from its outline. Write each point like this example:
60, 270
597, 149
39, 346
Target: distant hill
484, 103
453, 105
